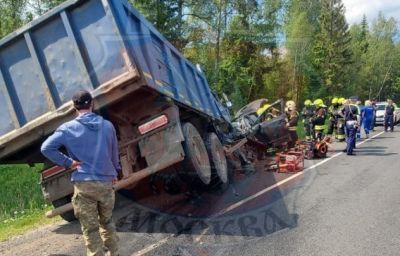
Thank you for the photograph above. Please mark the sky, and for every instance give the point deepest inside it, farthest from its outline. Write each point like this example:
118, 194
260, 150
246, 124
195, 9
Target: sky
356, 8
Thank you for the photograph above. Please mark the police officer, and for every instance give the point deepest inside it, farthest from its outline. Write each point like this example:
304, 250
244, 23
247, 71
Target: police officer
308, 114
292, 117
91, 143
389, 115
351, 127
319, 118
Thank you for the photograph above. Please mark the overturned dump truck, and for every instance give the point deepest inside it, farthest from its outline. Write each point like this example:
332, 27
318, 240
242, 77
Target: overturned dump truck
161, 105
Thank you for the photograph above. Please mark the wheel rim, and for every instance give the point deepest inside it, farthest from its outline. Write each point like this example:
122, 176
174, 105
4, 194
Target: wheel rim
200, 159
196, 162
221, 165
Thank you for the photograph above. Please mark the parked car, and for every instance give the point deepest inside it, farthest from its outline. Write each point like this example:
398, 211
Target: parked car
396, 114
380, 113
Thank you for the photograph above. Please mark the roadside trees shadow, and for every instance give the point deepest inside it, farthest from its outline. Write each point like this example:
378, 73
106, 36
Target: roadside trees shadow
241, 211
68, 228
374, 153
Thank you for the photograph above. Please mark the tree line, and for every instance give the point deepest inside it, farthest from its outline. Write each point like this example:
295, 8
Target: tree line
250, 49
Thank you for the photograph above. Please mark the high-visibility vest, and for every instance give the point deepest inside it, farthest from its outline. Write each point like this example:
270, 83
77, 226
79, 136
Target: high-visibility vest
340, 136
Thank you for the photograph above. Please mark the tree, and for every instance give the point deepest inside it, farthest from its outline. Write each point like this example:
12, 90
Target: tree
332, 53
167, 16
301, 25
11, 15
382, 65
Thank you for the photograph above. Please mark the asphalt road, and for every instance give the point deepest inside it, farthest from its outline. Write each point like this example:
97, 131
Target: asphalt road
342, 205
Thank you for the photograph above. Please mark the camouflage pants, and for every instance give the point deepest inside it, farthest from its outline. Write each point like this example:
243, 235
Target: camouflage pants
93, 205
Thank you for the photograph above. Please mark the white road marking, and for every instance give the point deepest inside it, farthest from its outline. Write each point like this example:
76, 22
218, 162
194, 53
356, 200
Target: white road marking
238, 204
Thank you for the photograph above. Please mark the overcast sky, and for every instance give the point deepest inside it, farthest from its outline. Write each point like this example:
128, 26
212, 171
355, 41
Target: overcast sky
356, 8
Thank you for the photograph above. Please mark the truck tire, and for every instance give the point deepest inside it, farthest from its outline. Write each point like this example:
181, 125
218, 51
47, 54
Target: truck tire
68, 216
196, 162
218, 163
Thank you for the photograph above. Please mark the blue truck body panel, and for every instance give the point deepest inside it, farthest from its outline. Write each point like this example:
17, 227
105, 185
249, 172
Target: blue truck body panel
83, 44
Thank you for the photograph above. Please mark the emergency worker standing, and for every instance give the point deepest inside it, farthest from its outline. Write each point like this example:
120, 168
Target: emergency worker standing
367, 115
292, 117
91, 143
319, 118
351, 127
373, 103
389, 115
308, 114
340, 135
333, 112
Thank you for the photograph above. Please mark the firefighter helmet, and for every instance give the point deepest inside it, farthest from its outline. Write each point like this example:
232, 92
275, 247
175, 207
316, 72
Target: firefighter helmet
318, 103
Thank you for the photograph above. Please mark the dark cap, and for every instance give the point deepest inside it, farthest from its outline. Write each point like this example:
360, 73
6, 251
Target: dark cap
82, 99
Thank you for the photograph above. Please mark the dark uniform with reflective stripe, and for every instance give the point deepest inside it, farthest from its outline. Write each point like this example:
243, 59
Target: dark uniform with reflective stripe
319, 122
308, 114
333, 114
292, 120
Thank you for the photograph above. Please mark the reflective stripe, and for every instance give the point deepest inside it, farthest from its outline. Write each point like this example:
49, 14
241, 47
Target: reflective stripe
292, 128
320, 127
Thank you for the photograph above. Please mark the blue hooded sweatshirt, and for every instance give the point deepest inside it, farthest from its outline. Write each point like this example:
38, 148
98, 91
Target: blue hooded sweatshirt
90, 140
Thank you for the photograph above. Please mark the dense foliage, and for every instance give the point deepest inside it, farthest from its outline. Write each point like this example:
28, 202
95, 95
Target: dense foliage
249, 49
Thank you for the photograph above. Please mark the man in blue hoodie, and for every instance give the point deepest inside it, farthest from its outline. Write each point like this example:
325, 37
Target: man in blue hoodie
91, 143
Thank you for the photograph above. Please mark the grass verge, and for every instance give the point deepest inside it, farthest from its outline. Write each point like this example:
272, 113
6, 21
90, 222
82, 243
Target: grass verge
21, 202
17, 226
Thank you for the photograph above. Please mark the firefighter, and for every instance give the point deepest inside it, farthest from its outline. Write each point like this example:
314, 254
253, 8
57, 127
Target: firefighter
333, 113
308, 114
292, 120
319, 118
340, 132
389, 115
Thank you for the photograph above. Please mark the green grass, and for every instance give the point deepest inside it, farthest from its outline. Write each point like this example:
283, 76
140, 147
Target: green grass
27, 221
301, 133
22, 205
